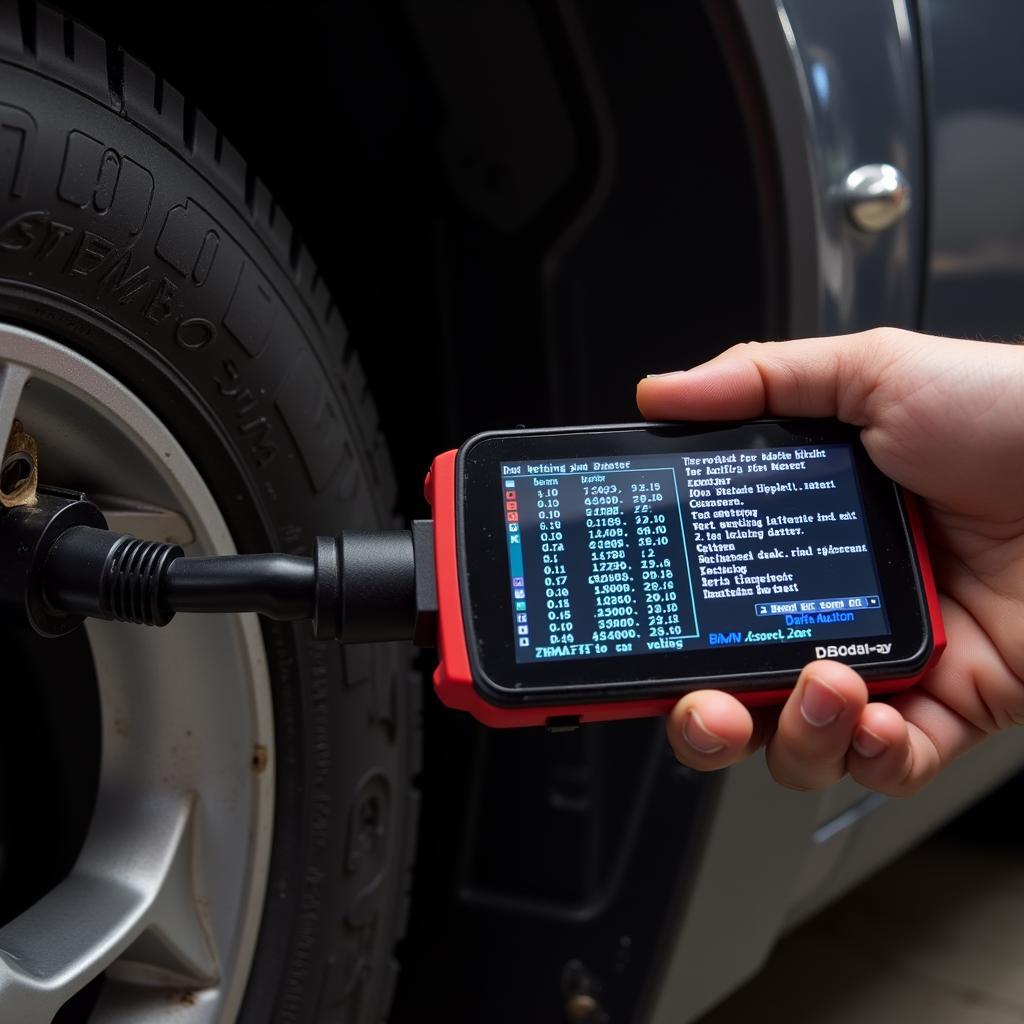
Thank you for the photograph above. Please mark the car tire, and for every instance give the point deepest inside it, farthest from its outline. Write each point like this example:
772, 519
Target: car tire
132, 232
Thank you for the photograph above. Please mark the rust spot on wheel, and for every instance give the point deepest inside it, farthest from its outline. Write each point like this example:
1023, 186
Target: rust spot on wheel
19, 472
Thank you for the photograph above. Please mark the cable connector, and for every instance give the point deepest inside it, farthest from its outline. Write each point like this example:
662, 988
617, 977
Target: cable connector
358, 587
27, 534
92, 572
372, 587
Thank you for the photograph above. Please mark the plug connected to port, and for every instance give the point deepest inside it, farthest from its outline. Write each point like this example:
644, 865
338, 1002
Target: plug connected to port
62, 565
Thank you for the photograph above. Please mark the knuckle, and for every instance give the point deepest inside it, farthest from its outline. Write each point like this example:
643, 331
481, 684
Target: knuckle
883, 337
747, 348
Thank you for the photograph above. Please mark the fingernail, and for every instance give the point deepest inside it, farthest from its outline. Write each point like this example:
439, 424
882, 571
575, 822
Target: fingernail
820, 704
697, 734
867, 744
668, 373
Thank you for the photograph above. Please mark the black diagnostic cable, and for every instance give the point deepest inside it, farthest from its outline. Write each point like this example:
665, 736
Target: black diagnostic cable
617, 623
63, 565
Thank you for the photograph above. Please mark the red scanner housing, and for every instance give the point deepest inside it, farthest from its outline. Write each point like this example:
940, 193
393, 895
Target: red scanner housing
453, 678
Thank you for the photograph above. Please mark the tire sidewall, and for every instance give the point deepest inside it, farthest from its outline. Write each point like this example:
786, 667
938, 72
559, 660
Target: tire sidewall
115, 242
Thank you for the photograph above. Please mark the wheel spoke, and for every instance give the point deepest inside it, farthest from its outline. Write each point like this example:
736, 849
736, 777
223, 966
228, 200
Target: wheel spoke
165, 900
58, 946
130, 896
174, 951
12, 382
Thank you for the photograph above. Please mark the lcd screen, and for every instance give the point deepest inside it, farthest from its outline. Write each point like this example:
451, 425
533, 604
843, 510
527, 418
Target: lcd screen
639, 554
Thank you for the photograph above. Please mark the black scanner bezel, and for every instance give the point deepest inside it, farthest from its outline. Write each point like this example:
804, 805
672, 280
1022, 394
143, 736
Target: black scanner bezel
486, 599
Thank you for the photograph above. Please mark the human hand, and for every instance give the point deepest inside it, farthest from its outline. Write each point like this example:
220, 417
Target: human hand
945, 418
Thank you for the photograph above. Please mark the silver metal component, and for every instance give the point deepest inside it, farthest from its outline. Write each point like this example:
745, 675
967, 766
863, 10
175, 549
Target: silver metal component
841, 81
876, 196
167, 894
13, 379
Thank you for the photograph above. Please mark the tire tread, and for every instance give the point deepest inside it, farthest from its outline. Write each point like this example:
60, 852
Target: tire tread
34, 34
129, 86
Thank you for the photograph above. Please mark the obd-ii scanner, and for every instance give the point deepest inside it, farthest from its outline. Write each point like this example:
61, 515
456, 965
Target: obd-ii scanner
567, 575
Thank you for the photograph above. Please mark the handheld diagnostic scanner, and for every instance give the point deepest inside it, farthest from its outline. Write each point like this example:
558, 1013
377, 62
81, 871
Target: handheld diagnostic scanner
568, 575
595, 573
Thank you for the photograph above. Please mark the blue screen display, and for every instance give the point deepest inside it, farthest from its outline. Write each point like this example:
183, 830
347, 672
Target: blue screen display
634, 555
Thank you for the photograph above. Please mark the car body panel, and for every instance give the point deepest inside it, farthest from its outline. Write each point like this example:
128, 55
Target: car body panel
844, 88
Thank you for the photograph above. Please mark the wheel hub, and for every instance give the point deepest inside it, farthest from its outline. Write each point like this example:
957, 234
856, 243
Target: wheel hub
166, 894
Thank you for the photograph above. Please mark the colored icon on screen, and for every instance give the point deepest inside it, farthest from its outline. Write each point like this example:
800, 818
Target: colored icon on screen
523, 630
518, 581
519, 592
521, 617
520, 606
524, 641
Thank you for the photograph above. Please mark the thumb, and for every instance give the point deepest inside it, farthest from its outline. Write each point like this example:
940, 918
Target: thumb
810, 377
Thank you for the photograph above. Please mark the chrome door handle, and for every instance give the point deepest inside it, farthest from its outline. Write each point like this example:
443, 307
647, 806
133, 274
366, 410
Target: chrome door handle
876, 196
